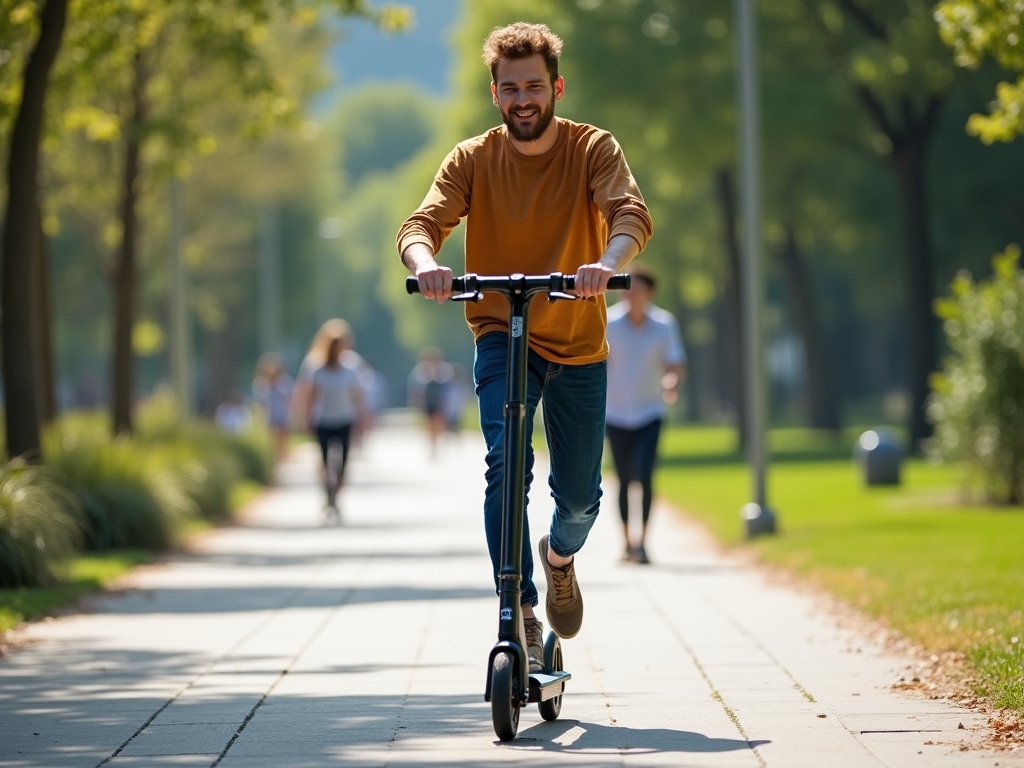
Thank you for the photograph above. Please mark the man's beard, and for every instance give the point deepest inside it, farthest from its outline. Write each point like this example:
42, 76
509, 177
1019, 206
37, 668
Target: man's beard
544, 117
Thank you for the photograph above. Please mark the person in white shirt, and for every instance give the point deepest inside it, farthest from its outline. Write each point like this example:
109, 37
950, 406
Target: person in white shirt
646, 365
337, 405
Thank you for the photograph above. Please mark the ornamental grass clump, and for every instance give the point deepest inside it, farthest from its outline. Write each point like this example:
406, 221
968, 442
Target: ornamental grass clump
131, 497
40, 526
977, 403
213, 461
160, 421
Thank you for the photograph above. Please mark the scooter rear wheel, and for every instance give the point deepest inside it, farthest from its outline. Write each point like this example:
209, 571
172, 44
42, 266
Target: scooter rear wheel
551, 708
504, 696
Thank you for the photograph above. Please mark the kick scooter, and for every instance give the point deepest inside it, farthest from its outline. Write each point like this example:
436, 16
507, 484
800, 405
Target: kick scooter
510, 685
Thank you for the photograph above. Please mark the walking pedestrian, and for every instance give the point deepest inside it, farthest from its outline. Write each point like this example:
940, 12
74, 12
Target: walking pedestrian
336, 406
646, 365
540, 194
429, 384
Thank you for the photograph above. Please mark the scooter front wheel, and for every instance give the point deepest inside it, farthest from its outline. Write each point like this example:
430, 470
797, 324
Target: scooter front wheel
504, 696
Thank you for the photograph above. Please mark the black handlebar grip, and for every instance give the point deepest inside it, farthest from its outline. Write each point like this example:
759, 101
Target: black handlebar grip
615, 283
619, 283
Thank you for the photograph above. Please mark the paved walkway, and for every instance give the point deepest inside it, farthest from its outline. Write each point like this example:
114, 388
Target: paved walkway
287, 643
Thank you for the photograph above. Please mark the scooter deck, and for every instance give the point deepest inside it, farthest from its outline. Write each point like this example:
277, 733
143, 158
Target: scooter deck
547, 685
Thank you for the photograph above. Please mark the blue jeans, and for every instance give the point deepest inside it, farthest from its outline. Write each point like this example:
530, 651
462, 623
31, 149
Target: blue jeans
574, 406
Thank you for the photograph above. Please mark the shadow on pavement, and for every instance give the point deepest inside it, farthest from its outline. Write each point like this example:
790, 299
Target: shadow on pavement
263, 560
308, 730
576, 737
232, 599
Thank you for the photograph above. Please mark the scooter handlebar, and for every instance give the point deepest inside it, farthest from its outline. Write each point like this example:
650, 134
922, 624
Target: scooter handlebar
491, 283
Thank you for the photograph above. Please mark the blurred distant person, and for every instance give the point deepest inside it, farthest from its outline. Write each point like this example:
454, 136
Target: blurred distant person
272, 390
646, 364
233, 415
428, 382
337, 405
454, 398
317, 356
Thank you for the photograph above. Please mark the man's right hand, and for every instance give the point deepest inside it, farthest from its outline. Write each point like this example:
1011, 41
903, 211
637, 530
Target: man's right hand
435, 281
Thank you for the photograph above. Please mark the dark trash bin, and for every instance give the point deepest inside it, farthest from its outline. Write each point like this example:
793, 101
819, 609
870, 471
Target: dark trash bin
757, 520
879, 455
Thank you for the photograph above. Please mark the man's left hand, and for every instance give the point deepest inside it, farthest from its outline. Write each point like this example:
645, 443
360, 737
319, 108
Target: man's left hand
592, 280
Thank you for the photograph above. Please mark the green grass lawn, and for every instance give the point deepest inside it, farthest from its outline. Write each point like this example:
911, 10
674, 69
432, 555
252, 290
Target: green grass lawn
947, 574
87, 574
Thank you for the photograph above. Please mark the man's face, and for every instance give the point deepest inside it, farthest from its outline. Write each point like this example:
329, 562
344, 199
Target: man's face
525, 96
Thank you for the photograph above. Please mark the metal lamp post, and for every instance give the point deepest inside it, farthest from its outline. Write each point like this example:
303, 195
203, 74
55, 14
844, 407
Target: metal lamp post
181, 347
757, 517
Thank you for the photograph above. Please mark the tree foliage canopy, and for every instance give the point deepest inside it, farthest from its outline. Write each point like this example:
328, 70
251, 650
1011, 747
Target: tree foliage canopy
980, 28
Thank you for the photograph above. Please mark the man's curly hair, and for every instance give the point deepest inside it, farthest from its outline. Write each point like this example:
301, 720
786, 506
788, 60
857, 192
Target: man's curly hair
520, 40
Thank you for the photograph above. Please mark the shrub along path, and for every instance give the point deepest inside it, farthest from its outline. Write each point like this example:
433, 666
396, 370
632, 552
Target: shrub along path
287, 643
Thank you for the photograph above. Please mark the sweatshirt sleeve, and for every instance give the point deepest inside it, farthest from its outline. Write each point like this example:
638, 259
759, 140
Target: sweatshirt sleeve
615, 192
446, 203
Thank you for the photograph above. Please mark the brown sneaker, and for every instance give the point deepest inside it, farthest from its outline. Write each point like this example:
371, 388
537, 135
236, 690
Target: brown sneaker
564, 602
535, 644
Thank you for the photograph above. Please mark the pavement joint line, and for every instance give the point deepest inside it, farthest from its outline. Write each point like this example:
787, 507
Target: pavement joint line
732, 619
428, 625
905, 730
205, 671
673, 630
314, 635
260, 626
735, 622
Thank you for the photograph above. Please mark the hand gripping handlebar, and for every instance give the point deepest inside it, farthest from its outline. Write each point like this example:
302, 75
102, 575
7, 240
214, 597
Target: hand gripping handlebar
471, 287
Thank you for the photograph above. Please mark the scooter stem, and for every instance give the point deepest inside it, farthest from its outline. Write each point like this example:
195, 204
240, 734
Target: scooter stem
514, 483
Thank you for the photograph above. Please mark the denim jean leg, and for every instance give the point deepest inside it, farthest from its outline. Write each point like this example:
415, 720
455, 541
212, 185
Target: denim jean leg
489, 367
574, 406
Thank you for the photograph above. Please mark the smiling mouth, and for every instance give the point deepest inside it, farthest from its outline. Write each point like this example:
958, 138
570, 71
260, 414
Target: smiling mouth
525, 114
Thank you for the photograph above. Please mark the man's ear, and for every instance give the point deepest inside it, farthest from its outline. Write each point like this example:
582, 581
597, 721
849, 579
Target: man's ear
494, 93
559, 88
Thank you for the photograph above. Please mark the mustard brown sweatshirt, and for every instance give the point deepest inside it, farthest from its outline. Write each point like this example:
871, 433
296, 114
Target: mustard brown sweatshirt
549, 213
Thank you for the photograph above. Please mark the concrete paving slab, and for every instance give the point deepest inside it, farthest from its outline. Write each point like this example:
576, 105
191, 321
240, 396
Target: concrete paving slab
285, 642
167, 761
181, 739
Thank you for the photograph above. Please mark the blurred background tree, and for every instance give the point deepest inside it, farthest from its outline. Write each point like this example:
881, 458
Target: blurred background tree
136, 63
875, 194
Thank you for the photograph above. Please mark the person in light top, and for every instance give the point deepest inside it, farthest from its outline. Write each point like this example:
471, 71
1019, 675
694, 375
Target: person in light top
646, 365
337, 406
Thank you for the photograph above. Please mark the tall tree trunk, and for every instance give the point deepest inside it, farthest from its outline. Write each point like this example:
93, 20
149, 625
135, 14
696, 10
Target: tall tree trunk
823, 405
125, 273
909, 165
731, 336
43, 327
19, 246
910, 131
